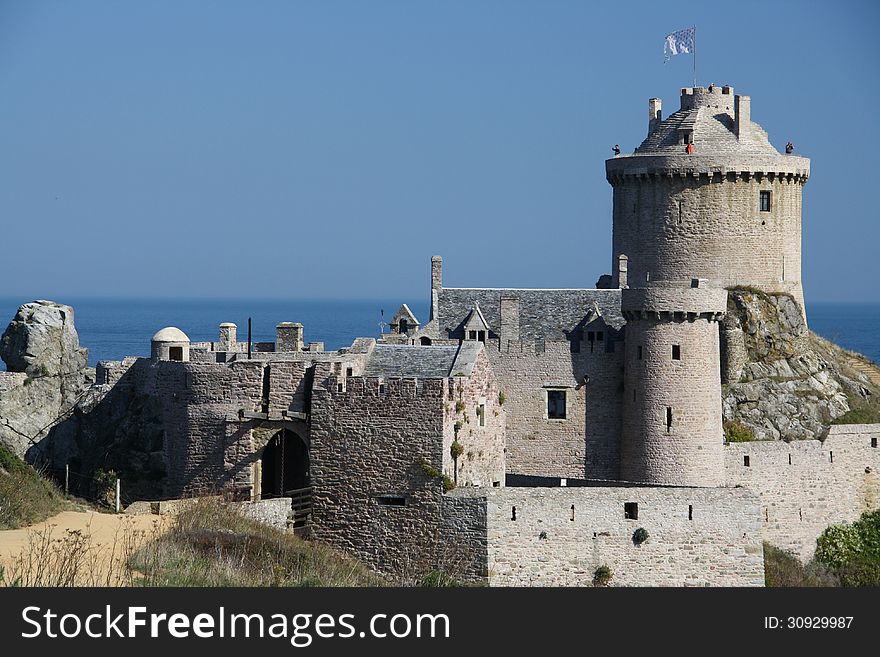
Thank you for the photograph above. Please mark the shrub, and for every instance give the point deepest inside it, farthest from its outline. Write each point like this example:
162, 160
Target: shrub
783, 569
602, 576
456, 450
735, 432
640, 536
501, 398
838, 545
459, 406
433, 473
852, 551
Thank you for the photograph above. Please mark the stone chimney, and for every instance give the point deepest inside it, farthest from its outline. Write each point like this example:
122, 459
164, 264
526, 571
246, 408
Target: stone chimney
509, 317
436, 284
228, 337
655, 105
289, 336
742, 115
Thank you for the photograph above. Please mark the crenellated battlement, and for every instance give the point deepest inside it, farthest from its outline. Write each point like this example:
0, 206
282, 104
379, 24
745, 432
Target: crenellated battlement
721, 98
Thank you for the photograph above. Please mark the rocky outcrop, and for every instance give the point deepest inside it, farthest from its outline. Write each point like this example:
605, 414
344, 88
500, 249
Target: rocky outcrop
47, 374
781, 380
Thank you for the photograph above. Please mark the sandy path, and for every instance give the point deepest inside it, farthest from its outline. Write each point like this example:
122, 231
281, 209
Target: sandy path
108, 540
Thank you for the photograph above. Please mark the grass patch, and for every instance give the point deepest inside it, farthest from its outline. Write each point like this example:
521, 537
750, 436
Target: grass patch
26, 497
210, 544
860, 412
735, 432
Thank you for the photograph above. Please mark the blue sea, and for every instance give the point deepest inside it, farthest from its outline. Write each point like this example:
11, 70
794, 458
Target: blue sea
113, 328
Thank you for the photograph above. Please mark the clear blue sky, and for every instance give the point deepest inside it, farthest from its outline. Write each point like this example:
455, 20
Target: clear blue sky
329, 148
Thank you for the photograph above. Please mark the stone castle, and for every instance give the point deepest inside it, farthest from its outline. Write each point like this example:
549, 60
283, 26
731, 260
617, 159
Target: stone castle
523, 436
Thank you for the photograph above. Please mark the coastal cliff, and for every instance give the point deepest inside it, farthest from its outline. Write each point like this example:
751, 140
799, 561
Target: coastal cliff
781, 381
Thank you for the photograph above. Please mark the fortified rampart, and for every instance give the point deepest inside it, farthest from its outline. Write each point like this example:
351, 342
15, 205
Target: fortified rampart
806, 485
559, 536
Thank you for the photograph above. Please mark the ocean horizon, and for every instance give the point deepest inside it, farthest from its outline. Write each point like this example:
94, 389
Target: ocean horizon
114, 328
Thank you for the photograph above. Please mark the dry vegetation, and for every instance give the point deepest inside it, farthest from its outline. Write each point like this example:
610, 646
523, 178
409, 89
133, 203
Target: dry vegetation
25, 496
207, 544
210, 544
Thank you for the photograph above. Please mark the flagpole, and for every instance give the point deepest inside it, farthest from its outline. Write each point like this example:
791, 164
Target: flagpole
695, 55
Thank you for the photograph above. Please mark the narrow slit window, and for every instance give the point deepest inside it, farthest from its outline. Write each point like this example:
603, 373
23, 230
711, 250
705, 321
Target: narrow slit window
690, 511
481, 414
873, 442
746, 462
631, 510
639, 352
391, 500
676, 352
668, 419
765, 201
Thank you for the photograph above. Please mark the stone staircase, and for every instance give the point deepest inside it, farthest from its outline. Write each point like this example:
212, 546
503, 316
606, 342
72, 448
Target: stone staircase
862, 367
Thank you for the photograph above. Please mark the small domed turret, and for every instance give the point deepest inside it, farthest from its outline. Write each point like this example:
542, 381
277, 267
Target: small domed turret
170, 343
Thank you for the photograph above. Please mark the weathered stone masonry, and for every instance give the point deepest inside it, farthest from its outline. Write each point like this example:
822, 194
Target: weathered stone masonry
559, 536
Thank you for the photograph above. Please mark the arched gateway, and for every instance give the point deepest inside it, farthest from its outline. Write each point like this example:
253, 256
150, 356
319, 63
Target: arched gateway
284, 465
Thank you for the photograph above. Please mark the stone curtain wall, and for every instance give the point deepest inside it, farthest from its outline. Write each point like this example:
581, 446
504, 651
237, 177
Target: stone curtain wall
709, 225
483, 461
210, 396
463, 550
366, 448
586, 443
720, 546
825, 482
289, 382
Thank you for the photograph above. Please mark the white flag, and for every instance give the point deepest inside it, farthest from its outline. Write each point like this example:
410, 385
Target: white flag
678, 43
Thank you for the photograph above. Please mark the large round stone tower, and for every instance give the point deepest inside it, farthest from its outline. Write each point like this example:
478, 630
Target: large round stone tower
707, 195
672, 431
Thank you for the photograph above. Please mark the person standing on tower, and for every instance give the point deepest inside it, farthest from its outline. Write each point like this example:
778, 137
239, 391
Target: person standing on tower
789, 148
616, 150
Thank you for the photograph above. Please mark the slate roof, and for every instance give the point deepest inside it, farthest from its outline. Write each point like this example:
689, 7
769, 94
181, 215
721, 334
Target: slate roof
544, 314
422, 362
